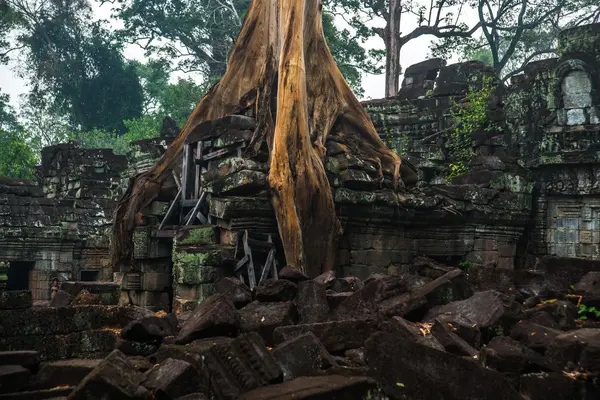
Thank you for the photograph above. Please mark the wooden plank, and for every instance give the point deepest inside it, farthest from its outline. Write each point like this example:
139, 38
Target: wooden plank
216, 154
195, 210
164, 234
267, 266
275, 267
241, 263
170, 210
184, 172
198, 183
248, 251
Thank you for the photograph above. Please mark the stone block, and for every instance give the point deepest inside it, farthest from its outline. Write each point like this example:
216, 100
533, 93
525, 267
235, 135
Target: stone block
115, 376
143, 298
576, 116
155, 281
323, 387
216, 316
172, 379
336, 336
13, 378
302, 356
18, 299
265, 317
199, 274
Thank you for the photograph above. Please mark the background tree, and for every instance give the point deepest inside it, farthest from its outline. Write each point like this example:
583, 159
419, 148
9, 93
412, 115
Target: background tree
439, 18
516, 32
17, 158
196, 36
72, 62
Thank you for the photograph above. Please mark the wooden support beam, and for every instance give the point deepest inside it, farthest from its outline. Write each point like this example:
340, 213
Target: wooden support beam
241, 263
248, 251
198, 183
267, 266
170, 210
195, 210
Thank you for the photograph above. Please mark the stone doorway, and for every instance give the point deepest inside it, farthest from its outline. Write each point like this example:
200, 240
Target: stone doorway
89, 275
18, 275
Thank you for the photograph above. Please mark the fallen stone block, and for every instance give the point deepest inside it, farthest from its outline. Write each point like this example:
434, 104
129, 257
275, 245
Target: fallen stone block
276, 290
323, 387
265, 317
293, 275
63, 373
555, 385
580, 348
450, 341
536, 337
410, 370
193, 353
302, 356
589, 288
240, 366
335, 299
58, 393
503, 354
365, 303
215, 316
61, 299
564, 313
13, 378
172, 379
140, 363
489, 311
150, 329
325, 278
411, 331
336, 336
235, 290
15, 299
114, 378
131, 348
311, 302
25, 358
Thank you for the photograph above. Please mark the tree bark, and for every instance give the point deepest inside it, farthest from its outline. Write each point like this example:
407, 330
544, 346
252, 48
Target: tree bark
392, 47
281, 43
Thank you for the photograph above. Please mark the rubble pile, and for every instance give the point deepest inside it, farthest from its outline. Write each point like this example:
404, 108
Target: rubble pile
422, 335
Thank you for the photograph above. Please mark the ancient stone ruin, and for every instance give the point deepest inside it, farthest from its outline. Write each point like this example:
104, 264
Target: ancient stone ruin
452, 286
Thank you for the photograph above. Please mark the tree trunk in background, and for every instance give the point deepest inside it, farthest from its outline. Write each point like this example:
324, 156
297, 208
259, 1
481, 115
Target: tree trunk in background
281, 43
392, 47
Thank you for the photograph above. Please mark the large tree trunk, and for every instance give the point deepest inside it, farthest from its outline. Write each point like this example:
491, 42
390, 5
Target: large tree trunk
392, 47
281, 43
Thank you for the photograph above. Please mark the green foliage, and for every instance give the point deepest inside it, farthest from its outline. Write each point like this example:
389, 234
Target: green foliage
196, 36
465, 264
17, 158
145, 127
468, 118
74, 64
399, 144
513, 33
351, 58
585, 312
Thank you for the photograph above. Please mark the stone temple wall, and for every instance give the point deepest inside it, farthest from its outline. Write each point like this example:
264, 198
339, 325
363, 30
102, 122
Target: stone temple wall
532, 190
59, 227
548, 151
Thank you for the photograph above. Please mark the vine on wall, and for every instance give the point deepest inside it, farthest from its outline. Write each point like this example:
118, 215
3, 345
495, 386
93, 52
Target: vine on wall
468, 118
